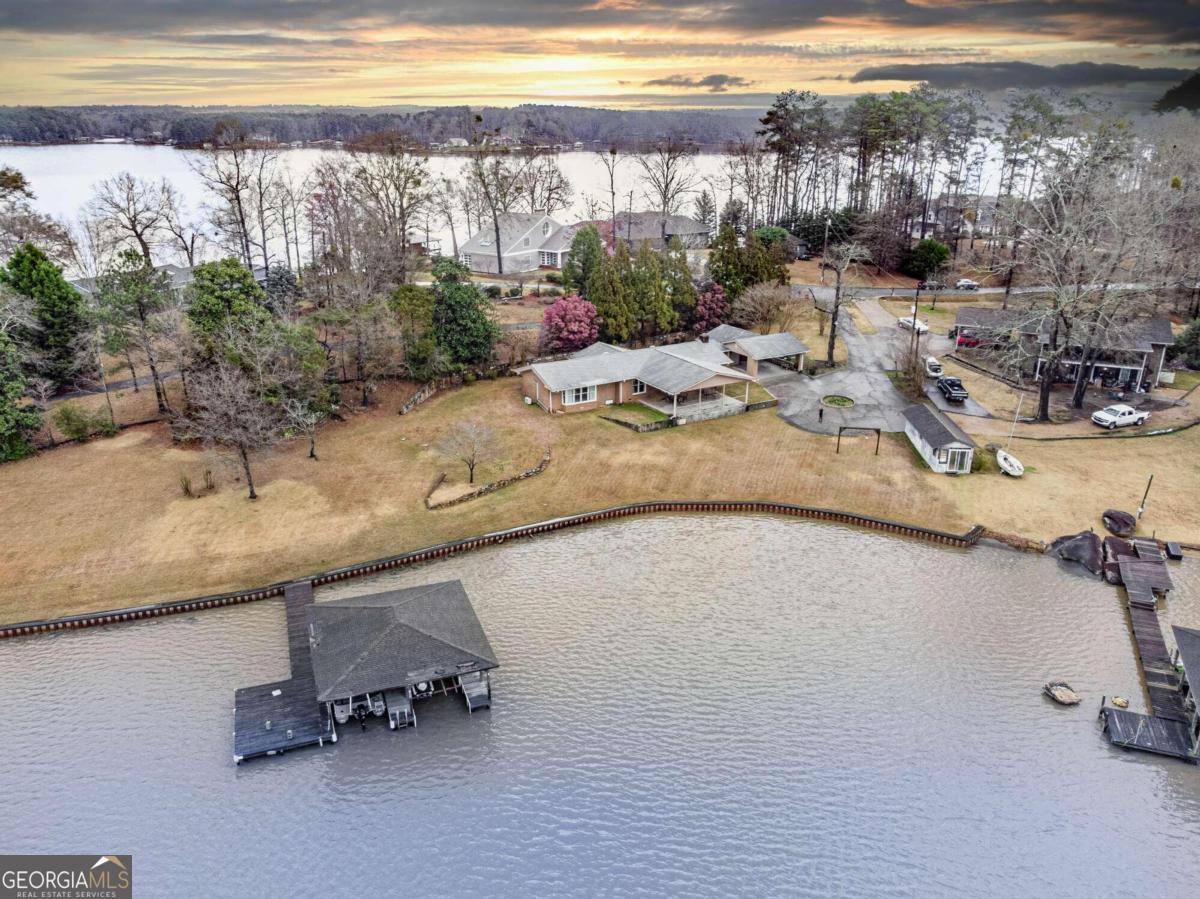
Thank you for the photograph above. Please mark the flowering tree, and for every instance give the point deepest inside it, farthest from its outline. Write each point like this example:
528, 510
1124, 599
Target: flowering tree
568, 324
712, 309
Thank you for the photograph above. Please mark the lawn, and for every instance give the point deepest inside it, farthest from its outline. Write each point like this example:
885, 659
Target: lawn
1186, 379
104, 524
518, 313
939, 317
758, 393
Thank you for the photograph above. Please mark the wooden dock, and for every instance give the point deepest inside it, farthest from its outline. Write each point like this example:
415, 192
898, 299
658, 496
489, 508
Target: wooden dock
273, 718
1165, 730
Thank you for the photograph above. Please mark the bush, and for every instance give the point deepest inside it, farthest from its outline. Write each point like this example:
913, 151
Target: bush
492, 291
923, 260
554, 277
552, 292
513, 292
77, 423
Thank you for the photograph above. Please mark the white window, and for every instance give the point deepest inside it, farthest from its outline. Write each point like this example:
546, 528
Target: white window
466, 259
638, 387
545, 229
577, 395
550, 259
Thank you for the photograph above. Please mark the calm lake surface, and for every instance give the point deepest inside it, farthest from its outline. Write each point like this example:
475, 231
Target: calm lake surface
696, 705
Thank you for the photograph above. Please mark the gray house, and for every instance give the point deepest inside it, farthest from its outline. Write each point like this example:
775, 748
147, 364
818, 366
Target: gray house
528, 241
940, 442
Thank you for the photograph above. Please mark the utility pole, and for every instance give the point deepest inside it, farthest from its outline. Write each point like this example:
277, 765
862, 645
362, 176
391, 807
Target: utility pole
1142, 505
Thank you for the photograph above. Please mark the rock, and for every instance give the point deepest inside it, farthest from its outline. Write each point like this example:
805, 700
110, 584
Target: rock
1120, 702
1084, 548
1061, 693
1120, 523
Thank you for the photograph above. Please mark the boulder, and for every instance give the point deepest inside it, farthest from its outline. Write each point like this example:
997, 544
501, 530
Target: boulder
1120, 523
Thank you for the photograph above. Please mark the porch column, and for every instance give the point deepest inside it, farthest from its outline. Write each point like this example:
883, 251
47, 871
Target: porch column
1141, 372
700, 400
674, 405
747, 400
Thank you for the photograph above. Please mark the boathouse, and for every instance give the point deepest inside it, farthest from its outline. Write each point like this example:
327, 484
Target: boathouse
1187, 658
376, 654
363, 657
942, 444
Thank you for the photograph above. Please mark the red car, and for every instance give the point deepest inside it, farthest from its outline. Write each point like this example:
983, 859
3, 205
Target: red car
967, 340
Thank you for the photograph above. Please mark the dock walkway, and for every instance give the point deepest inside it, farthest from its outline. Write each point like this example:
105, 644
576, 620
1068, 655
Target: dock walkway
272, 718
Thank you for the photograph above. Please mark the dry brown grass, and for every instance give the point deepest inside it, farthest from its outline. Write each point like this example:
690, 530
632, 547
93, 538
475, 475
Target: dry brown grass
808, 271
104, 524
518, 313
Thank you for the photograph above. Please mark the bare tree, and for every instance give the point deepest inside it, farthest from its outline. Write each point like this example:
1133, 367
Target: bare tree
668, 175
229, 409
497, 180
133, 208
305, 418
543, 185
470, 442
393, 191
184, 233
444, 201
841, 258
766, 307
611, 160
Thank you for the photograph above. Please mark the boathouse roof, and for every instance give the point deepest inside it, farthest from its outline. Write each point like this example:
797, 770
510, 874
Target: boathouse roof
935, 428
1188, 641
364, 644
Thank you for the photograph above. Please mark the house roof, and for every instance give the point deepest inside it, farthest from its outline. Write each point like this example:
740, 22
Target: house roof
671, 369
513, 227
1139, 334
726, 333
636, 227
1188, 641
935, 428
770, 346
179, 275
364, 644
596, 349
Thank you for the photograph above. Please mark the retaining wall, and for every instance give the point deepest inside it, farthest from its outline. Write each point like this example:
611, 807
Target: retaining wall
442, 550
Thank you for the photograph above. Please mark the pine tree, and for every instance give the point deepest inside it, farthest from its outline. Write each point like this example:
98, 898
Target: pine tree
462, 324
677, 275
606, 291
58, 309
587, 249
726, 265
648, 293
224, 291
19, 420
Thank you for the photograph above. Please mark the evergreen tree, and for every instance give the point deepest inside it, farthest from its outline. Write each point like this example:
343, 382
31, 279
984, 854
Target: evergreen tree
462, 322
648, 293
224, 291
677, 275
726, 265
19, 420
706, 210
606, 291
587, 249
282, 290
58, 310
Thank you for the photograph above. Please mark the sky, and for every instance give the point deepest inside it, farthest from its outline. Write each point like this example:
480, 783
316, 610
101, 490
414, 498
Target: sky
615, 53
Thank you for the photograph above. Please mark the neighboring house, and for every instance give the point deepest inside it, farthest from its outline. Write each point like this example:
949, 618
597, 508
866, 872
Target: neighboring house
522, 237
748, 349
941, 443
634, 228
1130, 355
180, 275
457, 142
678, 380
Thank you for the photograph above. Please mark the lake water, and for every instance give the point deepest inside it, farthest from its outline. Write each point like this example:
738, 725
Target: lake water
696, 705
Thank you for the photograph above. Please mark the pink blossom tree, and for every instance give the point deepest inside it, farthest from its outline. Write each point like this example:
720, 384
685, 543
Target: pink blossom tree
569, 323
712, 309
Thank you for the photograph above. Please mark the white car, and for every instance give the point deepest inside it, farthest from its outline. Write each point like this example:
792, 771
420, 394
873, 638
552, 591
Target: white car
912, 323
933, 368
1120, 416
966, 284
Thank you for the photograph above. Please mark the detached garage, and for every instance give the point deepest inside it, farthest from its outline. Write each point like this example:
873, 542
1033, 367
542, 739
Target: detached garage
941, 443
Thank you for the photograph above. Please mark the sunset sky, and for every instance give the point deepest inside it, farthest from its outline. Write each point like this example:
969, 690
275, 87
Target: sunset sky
623, 53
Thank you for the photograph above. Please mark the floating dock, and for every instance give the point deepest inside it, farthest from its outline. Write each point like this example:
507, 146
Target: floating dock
1167, 729
273, 718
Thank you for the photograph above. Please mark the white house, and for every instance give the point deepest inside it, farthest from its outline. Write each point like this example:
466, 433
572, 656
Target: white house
941, 443
528, 241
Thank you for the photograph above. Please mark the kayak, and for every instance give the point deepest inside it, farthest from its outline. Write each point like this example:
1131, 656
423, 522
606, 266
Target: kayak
1009, 464
1061, 693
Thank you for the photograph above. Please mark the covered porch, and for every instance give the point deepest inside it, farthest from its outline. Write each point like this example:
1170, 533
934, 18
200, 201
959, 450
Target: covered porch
701, 404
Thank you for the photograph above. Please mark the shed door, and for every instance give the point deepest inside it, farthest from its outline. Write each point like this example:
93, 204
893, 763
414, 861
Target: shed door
960, 461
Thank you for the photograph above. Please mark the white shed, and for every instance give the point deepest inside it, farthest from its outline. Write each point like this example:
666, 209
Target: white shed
941, 443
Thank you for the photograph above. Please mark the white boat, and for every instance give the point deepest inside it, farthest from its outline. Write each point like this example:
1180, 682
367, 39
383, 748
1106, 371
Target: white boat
1009, 464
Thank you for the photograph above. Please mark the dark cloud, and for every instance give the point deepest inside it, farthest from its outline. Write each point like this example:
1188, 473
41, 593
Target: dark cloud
1116, 21
716, 84
991, 76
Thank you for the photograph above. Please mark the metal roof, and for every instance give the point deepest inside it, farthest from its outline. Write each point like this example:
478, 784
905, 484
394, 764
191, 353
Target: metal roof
770, 346
364, 644
726, 333
671, 369
935, 428
1188, 641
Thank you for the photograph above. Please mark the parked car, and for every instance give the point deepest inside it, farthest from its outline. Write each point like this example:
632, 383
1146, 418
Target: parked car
967, 340
952, 389
930, 285
912, 323
933, 368
966, 284
1120, 416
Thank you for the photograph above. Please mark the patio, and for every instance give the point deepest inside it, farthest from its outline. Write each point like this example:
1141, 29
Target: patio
696, 405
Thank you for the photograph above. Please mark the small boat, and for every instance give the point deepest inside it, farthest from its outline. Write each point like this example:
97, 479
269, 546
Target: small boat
1009, 464
1061, 693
